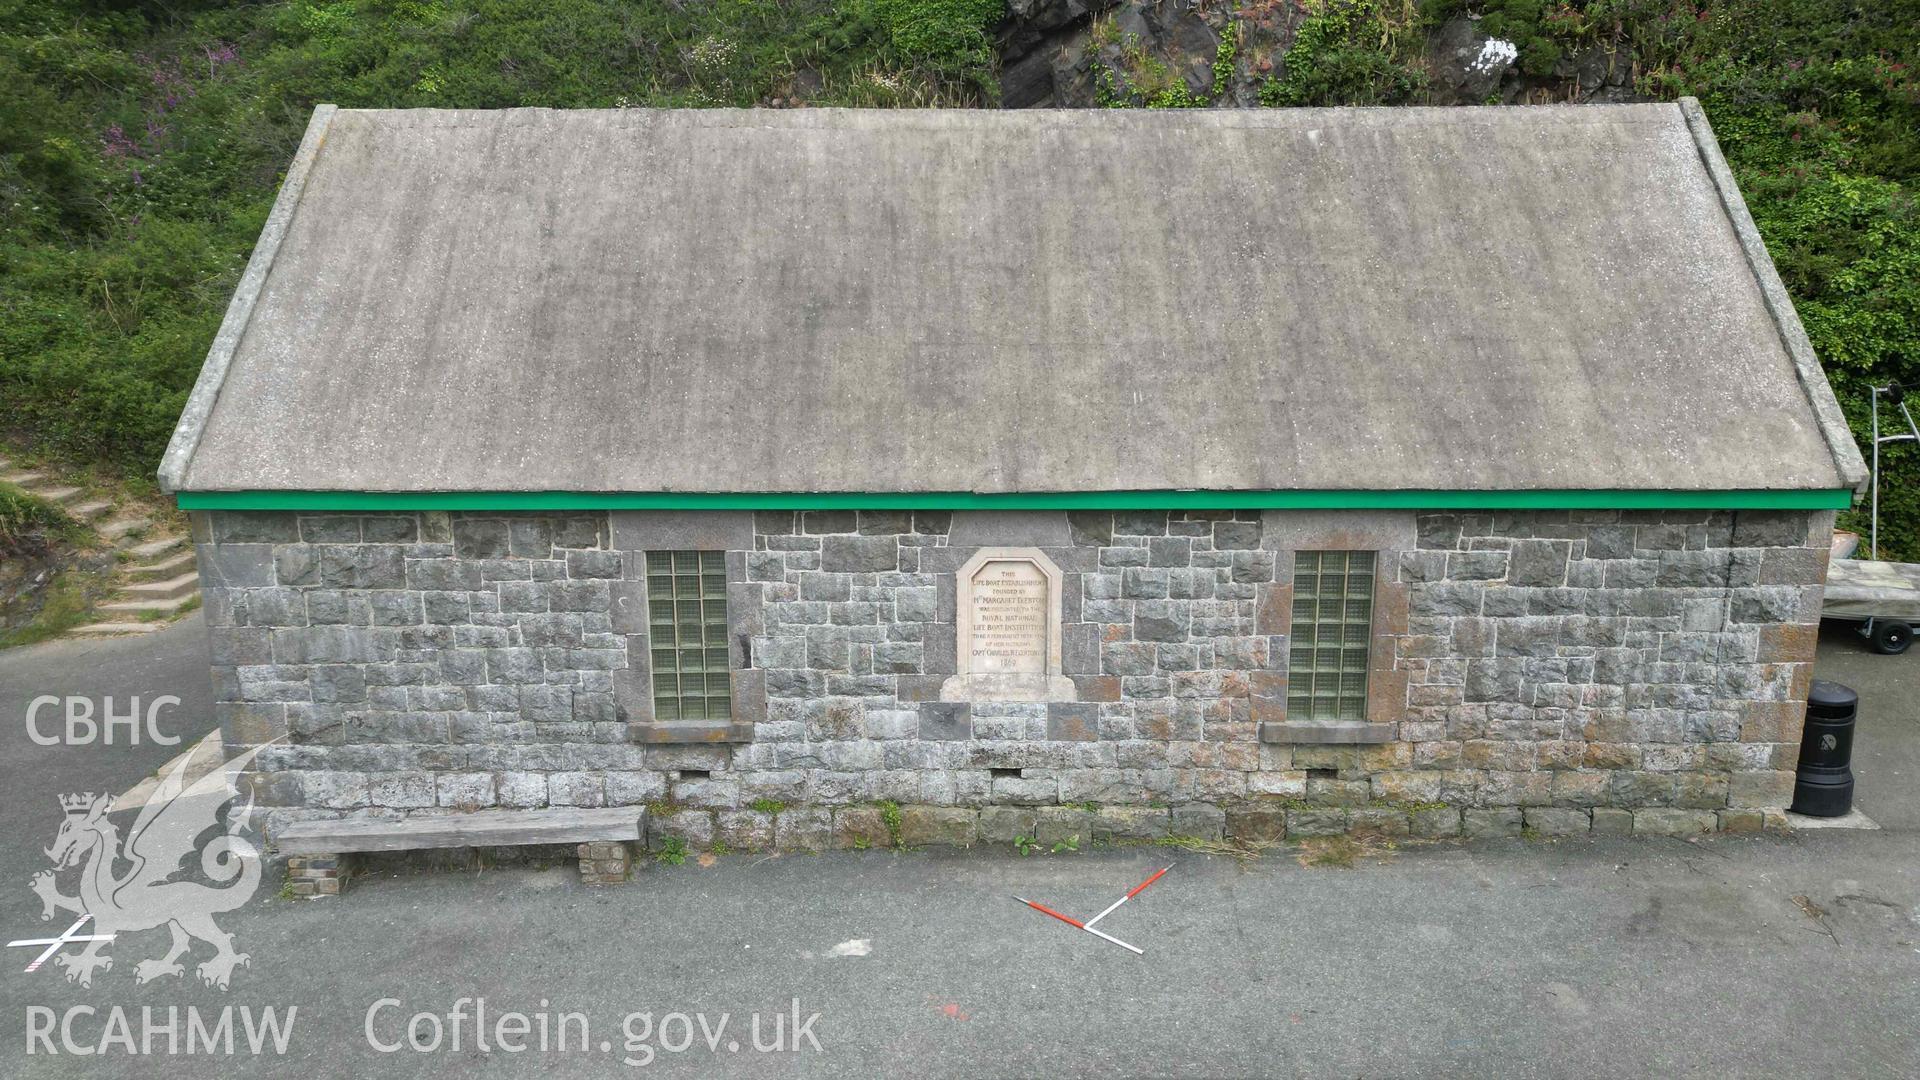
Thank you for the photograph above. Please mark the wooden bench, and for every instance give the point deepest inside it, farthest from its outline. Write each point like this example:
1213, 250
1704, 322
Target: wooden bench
318, 851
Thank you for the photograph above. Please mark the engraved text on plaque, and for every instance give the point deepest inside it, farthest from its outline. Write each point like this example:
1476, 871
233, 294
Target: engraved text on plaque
1009, 619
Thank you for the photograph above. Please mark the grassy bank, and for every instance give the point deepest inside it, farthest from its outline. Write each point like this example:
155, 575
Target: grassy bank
32, 530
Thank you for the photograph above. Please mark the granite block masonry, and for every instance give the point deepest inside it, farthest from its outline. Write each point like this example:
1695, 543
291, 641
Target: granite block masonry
1641, 670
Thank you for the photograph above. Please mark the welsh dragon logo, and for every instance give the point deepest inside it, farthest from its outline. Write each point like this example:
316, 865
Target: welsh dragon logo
162, 838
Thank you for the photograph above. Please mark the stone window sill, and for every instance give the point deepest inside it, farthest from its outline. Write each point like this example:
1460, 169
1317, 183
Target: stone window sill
713, 731
1326, 732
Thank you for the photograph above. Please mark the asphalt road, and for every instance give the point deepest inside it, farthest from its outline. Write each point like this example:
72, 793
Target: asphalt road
1573, 958
135, 673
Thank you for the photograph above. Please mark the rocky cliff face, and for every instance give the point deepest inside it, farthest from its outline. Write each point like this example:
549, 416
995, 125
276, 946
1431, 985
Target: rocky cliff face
1089, 53
1066, 53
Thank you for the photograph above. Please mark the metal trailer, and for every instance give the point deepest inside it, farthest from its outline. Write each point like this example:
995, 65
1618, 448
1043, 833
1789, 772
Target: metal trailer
1883, 597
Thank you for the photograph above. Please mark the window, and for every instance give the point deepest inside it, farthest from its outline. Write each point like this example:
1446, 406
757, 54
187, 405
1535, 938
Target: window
1332, 624
687, 625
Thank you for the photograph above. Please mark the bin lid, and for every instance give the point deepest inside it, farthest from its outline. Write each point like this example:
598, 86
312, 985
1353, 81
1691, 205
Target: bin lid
1832, 697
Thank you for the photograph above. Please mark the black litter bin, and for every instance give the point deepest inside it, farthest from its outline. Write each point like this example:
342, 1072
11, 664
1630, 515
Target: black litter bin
1824, 784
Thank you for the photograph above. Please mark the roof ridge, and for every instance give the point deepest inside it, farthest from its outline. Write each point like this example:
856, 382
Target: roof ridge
1773, 293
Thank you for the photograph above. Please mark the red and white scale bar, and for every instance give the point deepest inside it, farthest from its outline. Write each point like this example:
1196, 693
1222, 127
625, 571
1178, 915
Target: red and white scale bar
1088, 925
1071, 921
1137, 890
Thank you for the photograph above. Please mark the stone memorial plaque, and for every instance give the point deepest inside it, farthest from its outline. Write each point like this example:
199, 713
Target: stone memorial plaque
1009, 614
1008, 609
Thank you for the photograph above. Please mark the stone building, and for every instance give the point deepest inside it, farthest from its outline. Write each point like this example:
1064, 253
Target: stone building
1105, 474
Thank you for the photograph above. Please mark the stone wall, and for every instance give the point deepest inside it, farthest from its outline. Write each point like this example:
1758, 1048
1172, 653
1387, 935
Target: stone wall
1563, 670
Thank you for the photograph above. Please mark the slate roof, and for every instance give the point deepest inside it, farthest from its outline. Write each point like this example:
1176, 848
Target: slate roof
1564, 297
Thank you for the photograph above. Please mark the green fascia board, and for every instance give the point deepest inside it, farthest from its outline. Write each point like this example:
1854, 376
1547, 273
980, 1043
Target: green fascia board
1543, 499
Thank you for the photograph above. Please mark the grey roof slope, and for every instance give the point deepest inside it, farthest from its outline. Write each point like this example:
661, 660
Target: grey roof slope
833, 300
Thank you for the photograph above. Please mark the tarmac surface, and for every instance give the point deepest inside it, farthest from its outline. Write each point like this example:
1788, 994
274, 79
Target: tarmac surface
1752, 956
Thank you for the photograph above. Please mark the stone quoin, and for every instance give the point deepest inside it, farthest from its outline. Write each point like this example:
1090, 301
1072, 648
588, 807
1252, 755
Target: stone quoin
952, 478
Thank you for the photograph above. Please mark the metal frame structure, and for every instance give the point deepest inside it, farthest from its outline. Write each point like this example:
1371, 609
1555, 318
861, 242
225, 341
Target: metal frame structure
1896, 395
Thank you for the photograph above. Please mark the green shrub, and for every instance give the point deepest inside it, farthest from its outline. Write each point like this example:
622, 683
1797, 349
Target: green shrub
1151, 83
1526, 24
1349, 52
945, 31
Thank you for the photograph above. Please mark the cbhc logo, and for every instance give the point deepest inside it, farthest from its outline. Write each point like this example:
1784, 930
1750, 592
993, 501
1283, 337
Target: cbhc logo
82, 728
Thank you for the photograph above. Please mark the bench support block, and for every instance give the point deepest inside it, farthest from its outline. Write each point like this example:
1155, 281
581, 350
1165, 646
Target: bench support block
605, 862
317, 874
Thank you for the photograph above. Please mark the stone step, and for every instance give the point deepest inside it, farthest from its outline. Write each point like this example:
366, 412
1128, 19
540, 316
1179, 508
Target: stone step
58, 495
88, 511
120, 527
22, 479
107, 629
148, 607
167, 567
147, 549
170, 589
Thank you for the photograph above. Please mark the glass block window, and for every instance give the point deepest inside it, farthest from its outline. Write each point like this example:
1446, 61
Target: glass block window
687, 624
1332, 624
